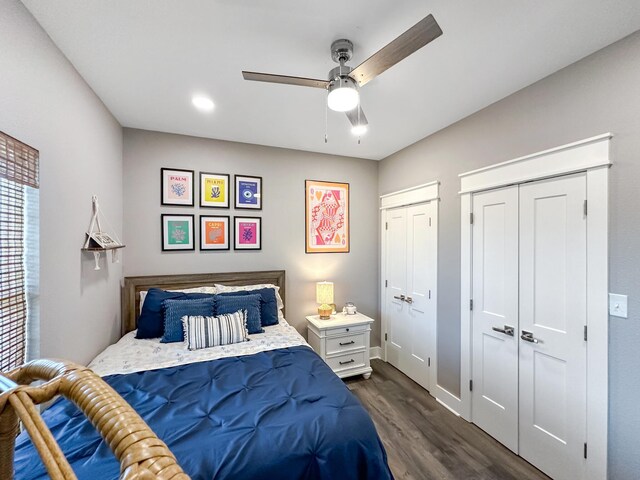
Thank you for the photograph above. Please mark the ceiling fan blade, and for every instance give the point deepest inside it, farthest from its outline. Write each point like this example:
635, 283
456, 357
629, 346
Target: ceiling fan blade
356, 119
410, 41
300, 81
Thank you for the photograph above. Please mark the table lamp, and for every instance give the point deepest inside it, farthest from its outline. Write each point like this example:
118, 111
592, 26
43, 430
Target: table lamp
324, 296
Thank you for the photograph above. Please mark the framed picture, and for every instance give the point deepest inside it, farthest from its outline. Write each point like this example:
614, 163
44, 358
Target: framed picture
247, 233
214, 190
177, 232
248, 192
214, 232
326, 217
177, 187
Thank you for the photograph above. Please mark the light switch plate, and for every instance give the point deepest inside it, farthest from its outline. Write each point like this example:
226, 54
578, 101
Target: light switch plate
618, 305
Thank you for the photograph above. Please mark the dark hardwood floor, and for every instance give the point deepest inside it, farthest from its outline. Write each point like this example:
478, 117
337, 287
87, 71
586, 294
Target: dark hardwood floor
424, 440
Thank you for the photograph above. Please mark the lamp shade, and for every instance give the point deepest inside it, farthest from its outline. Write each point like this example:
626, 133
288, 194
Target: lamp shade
343, 94
324, 292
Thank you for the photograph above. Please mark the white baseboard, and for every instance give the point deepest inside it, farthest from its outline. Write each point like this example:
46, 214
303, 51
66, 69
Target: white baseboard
375, 352
448, 400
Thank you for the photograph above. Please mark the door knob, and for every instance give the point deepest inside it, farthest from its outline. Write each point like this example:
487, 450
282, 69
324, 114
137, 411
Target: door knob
401, 297
528, 337
409, 300
507, 330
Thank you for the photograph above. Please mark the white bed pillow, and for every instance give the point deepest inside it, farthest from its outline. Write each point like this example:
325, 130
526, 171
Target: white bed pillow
209, 290
242, 288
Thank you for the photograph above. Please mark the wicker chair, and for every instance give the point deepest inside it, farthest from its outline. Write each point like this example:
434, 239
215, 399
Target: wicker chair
141, 454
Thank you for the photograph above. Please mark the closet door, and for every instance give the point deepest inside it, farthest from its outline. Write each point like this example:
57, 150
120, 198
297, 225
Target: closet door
552, 320
420, 311
398, 330
495, 314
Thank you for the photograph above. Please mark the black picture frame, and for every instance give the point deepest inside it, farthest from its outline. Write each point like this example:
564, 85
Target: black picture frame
203, 231
201, 190
165, 188
164, 232
237, 235
242, 194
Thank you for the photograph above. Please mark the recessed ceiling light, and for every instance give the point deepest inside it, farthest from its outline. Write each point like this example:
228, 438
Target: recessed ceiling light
202, 103
359, 130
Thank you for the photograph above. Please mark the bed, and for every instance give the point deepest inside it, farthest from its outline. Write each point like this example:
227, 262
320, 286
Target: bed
269, 408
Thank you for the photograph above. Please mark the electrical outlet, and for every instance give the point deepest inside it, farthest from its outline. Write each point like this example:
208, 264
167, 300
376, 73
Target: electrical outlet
618, 305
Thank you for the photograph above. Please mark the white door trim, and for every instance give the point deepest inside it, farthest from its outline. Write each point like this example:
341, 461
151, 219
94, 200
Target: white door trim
427, 192
591, 156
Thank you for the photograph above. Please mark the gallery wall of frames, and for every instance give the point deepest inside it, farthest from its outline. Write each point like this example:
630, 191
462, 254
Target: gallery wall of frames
216, 192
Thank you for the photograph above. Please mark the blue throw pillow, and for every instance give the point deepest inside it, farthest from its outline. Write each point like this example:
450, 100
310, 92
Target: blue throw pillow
151, 319
174, 310
268, 305
251, 303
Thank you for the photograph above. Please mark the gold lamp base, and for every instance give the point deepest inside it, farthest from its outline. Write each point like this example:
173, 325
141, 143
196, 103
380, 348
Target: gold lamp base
325, 311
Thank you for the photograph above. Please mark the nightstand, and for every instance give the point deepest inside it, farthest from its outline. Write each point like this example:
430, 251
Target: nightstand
342, 342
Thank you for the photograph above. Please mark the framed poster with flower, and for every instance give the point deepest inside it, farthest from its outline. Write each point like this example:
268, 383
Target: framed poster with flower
214, 190
326, 217
177, 232
214, 232
248, 192
247, 233
177, 187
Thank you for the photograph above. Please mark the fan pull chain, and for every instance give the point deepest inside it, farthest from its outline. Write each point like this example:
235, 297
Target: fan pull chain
359, 110
326, 122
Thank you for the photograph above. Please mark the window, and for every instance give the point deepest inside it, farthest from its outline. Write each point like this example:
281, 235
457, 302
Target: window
18, 224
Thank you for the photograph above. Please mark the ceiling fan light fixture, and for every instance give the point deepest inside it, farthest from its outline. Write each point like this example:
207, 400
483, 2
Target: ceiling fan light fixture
343, 95
359, 130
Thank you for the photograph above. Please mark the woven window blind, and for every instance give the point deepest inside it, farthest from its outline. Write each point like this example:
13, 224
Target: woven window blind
18, 169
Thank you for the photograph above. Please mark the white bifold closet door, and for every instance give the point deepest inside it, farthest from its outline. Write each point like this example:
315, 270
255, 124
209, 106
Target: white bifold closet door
529, 316
553, 299
495, 314
410, 273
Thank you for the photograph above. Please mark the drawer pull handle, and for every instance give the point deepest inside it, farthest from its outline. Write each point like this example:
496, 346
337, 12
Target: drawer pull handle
347, 343
347, 329
348, 361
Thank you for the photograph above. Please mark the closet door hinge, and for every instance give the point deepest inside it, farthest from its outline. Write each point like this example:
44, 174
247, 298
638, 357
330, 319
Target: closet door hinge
429, 362
429, 294
429, 221
585, 449
471, 304
585, 333
471, 385
386, 283
385, 337
386, 225
585, 208
471, 218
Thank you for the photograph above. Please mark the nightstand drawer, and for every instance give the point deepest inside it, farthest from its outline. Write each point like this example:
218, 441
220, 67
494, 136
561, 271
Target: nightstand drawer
330, 332
344, 362
345, 344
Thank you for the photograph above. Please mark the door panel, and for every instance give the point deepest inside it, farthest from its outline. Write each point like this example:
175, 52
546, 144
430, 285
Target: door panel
420, 271
396, 272
495, 297
553, 308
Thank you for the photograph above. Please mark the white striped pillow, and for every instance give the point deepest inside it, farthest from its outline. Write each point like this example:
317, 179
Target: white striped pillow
204, 332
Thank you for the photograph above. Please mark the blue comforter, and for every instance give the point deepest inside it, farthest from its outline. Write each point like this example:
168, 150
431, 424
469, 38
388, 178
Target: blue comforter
281, 414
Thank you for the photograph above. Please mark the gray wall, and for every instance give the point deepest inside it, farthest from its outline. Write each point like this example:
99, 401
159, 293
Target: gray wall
284, 173
45, 103
598, 94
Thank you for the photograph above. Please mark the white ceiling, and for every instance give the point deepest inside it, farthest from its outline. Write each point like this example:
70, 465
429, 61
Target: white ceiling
145, 59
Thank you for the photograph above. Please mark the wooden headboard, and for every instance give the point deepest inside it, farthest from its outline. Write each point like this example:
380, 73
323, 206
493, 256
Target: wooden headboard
134, 285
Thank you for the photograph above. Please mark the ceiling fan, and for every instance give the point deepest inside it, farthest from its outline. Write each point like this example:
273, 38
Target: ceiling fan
343, 81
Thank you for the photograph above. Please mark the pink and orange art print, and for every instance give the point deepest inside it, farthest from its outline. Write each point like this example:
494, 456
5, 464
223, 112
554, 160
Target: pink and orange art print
327, 217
